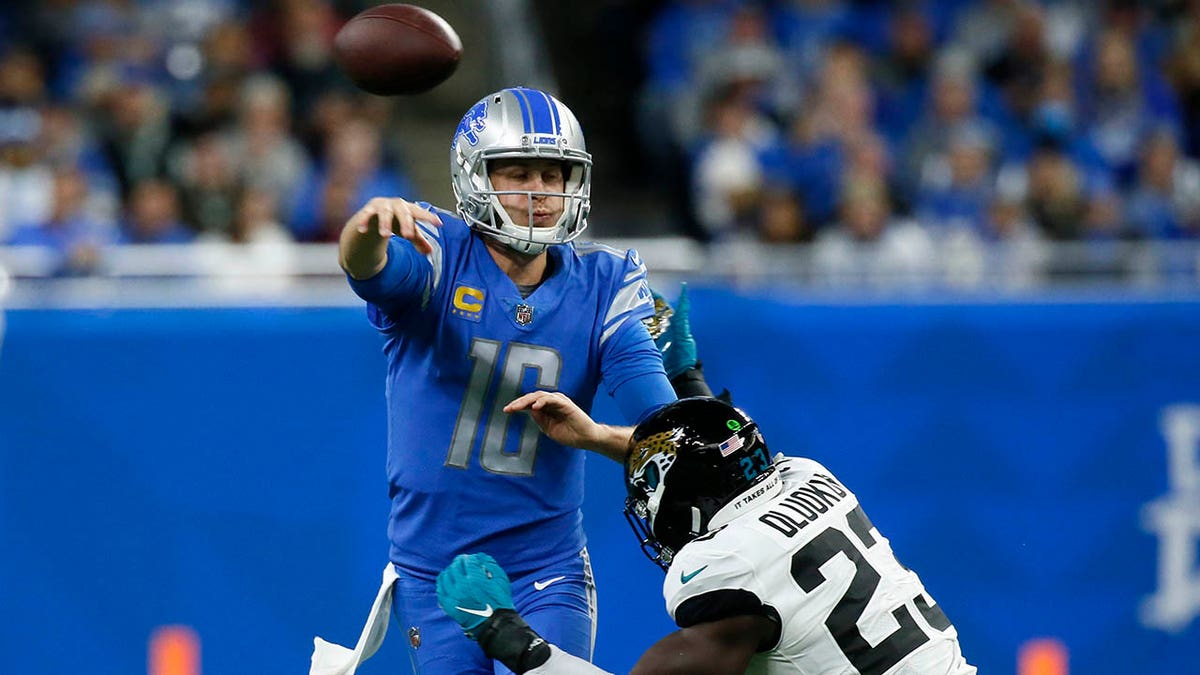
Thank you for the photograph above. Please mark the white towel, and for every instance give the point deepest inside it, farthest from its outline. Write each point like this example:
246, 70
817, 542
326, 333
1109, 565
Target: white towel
331, 659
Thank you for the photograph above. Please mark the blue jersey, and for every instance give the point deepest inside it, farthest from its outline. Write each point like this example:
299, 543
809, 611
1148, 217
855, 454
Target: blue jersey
461, 343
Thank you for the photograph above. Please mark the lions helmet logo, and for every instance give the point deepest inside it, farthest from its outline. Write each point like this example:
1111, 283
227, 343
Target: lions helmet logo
473, 122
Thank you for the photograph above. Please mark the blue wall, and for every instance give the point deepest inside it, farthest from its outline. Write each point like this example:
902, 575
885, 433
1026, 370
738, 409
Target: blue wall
224, 469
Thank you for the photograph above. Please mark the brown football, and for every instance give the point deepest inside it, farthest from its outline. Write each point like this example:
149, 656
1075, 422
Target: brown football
397, 49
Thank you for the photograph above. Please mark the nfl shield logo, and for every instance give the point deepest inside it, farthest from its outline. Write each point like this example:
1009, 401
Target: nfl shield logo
414, 637
524, 314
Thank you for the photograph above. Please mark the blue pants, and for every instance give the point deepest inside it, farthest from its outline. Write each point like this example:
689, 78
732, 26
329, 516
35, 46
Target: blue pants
559, 602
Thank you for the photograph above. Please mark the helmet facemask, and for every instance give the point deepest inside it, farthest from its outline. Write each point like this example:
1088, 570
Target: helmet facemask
646, 487
638, 516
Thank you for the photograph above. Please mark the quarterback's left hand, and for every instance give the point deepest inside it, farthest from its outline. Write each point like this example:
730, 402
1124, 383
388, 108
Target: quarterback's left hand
558, 417
471, 589
565, 422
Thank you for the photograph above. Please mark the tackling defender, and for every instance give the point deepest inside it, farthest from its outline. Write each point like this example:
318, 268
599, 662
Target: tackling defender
772, 565
478, 307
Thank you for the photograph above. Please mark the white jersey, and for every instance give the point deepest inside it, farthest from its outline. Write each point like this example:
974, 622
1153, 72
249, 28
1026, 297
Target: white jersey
810, 556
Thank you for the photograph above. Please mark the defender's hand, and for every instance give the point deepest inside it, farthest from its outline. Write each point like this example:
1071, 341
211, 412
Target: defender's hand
471, 589
385, 216
676, 343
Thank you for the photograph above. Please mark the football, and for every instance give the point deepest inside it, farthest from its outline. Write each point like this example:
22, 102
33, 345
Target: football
397, 49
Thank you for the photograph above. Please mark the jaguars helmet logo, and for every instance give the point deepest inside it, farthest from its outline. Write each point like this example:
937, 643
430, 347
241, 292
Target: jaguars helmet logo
652, 457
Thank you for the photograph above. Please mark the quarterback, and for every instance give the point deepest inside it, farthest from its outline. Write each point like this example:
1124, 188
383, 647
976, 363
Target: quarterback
477, 307
772, 564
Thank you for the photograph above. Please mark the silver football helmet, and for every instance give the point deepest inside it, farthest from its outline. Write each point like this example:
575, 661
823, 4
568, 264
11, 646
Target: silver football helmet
520, 123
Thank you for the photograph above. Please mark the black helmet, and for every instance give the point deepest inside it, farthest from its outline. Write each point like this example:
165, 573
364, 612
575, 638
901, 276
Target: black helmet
686, 462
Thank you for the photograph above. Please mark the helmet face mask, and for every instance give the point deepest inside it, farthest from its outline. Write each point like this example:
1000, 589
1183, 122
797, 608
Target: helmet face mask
689, 461
520, 124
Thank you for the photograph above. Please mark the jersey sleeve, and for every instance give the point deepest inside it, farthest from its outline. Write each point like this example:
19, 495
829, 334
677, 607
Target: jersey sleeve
708, 583
631, 366
407, 280
632, 301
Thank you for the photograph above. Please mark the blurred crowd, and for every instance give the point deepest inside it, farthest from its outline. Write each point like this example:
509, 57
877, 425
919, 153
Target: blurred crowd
897, 128
905, 127
171, 121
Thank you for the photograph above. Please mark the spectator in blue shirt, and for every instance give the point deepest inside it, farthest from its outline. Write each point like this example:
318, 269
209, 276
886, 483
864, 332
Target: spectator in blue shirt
958, 191
72, 234
1121, 102
153, 216
1165, 201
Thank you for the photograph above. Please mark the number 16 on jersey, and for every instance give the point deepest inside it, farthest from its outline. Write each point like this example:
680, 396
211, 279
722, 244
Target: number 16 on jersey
490, 372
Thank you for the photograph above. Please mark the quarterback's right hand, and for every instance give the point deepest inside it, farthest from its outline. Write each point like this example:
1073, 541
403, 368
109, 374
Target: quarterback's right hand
471, 589
387, 215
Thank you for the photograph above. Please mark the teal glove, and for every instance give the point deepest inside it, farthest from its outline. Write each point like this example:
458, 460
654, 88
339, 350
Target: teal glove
676, 343
471, 589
